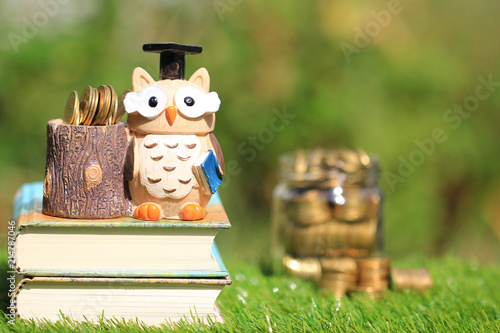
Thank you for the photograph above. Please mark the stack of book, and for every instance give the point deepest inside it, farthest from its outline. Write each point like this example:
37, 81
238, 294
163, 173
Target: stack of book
154, 272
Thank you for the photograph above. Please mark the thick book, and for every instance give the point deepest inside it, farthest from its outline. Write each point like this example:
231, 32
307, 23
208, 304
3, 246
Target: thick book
150, 300
122, 247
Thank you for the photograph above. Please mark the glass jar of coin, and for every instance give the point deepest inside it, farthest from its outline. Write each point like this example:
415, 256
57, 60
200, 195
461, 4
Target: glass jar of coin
327, 204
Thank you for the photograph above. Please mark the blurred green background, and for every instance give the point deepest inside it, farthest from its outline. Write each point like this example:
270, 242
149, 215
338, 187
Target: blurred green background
381, 75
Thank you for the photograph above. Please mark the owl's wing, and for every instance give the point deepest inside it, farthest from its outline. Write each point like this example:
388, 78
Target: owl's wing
214, 145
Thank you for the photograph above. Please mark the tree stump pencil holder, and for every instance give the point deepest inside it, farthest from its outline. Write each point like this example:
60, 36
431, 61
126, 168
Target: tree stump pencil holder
84, 171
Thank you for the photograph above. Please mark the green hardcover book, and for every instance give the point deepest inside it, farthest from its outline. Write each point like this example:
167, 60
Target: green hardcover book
123, 247
150, 300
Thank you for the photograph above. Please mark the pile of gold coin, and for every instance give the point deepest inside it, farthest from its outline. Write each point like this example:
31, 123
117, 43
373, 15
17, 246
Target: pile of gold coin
96, 107
339, 275
369, 275
373, 276
411, 279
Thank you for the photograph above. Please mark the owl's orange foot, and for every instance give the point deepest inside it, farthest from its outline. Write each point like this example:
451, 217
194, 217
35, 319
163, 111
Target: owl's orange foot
193, 212
148, 211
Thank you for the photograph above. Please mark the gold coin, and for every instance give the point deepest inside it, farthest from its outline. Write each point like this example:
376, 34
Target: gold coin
315, 157
373, 280
338, 278
93, 101
100, 100
103, 106
85, 104
72, 110
330, 159
320, 167
411, 279
88, 105
304, 268
373, 274
309, 208
374, 263
114, 106
339, 265
121, 106
111, 111
301, 161
350, 162
422, 279
86, 114
333, 237
364, 158
356, 204
339, 275
372, 293
373, 286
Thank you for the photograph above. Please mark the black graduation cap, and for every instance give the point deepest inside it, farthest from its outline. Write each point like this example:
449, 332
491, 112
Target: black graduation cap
172, 58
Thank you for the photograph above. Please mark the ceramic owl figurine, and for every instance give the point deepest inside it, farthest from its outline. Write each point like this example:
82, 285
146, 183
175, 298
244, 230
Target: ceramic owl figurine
174, 150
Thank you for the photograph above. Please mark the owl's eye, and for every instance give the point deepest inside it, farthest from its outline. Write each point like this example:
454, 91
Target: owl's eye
189, 101
149, 103
153, 101
194, 103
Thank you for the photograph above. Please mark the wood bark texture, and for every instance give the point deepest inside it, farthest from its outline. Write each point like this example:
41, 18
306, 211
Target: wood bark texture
84, 172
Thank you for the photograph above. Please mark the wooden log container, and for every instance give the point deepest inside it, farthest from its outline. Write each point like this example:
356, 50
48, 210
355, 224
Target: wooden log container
84, 172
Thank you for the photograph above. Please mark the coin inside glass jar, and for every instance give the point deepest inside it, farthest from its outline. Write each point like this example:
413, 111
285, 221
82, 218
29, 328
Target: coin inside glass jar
351, 203
309, 207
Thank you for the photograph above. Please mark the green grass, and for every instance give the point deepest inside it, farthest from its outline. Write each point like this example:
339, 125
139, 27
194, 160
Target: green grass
466, 298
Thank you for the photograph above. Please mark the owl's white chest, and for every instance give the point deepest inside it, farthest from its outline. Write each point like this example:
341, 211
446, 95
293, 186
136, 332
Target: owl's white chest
166, 164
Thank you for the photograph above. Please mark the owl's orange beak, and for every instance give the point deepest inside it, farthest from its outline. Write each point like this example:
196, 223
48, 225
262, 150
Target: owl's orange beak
171, 114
